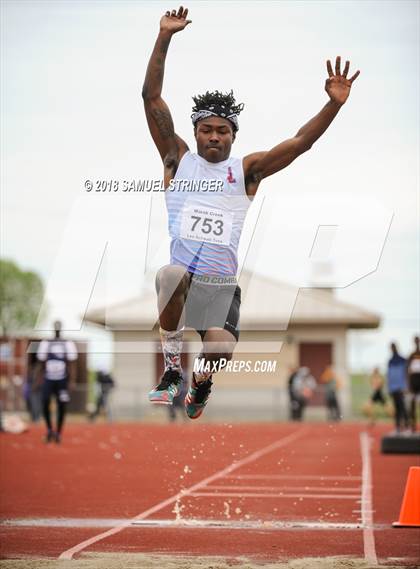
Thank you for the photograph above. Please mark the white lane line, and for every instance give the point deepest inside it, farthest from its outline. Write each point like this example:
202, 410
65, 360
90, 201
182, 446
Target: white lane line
282, 488
360, 511
275, 495
68, 554
366, 501
291, 477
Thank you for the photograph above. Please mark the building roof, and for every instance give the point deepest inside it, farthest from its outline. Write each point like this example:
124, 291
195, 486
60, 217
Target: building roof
267, 304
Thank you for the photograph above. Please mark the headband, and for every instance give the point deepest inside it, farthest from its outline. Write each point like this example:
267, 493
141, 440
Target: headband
217, 111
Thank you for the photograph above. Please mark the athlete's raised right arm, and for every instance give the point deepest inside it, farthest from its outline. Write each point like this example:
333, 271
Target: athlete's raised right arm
159, 119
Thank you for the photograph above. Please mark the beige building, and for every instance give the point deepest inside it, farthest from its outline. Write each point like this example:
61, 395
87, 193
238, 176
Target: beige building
278, 323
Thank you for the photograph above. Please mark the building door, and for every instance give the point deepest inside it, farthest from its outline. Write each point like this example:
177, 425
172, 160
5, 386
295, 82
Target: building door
316, 356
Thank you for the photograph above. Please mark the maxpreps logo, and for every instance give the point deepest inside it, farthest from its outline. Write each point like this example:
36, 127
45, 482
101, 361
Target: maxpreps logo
234, 366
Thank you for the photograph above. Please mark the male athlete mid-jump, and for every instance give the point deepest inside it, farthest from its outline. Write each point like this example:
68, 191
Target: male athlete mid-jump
199, 288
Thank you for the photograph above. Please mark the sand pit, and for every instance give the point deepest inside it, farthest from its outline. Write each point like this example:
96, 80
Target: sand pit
139, 561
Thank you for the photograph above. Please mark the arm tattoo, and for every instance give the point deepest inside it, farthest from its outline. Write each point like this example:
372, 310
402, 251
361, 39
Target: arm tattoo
164, 123
154, 74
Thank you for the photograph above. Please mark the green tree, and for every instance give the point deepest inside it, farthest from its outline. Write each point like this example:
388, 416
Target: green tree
21, 294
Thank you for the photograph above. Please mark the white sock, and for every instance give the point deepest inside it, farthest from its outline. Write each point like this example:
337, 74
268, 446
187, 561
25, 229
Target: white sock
171, 348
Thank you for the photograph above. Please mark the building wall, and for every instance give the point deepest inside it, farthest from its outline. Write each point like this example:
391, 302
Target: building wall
239, 395
133, 371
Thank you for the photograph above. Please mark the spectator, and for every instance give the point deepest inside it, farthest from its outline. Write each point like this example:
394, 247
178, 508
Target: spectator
331, 384
105, 384
32, 394
413, 368
293, 404
302, 388
377, 397
56, 372
397, 385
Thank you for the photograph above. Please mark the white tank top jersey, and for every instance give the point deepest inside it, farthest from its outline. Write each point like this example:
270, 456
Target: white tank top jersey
206, 214
55, 353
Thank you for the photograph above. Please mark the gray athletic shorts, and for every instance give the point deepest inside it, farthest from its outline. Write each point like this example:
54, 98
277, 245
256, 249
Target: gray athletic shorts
213, 302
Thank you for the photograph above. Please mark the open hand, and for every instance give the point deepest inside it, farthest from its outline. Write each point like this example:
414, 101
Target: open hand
174, 21
338, 86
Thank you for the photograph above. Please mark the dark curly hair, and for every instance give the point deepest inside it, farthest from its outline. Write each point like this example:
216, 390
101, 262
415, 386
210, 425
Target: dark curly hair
218, 99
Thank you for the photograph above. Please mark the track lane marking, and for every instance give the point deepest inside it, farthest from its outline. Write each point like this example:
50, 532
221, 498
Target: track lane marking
68, 553
275, 495
284, 488
366, 501
291, 477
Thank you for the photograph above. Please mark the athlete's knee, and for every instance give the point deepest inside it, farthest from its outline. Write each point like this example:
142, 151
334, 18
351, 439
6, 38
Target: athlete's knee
220, 352
219, 345
172, 279
225, 356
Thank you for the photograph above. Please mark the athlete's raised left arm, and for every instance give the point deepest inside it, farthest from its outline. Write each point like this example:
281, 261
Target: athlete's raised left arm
259, 165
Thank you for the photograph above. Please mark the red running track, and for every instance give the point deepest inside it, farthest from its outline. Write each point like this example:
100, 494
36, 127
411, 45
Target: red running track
263, 491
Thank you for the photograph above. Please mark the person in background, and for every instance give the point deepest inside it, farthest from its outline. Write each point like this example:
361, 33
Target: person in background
303, 387
31, 392
413, 369
331, 383
56, 371
397, 385
105, 384
293, 403
377, 397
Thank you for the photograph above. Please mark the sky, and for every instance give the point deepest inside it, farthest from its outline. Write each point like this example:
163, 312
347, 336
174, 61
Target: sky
71, 111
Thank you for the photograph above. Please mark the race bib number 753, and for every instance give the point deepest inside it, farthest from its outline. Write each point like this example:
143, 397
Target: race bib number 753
206, 224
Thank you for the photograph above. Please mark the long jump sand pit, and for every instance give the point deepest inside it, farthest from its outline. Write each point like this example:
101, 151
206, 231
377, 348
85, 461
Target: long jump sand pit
139, 561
